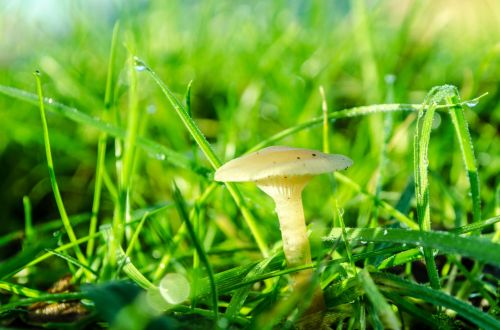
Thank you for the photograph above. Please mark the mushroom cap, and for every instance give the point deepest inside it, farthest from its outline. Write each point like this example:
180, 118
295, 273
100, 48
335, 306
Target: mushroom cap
280, 161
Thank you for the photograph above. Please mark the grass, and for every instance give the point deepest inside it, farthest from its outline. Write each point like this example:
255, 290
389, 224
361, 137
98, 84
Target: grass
138, 111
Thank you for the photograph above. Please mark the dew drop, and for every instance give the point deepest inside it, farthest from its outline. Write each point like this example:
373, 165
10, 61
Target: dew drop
50, 101
160, 156
472, 103
385, 232
139, 64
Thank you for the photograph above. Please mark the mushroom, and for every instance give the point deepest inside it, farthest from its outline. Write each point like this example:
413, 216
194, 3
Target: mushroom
282, 173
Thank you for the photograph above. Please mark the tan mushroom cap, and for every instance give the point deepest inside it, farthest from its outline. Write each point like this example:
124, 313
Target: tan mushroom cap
279, 161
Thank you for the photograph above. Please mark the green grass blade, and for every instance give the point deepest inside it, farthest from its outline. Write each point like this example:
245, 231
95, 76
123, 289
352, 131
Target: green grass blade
150, 146
28, 221
20, 290
183, 213
467, 148
207, 150
378, 301
395, 213
55, 187
471, 246
53, 297
421, 172
238, 298
476, 226
72, 260
135, 235
101, 144
348, 113
393, 283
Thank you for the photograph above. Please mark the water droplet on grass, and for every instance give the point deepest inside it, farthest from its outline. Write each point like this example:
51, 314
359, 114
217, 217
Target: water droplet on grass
385, 232
50, 101
174, 288
472, 103
139, 64
160, 156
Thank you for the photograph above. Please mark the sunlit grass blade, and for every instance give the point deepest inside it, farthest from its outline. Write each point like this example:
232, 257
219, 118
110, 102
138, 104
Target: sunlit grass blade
183, 213
415, 254
101, 144
123, 261
151, 147
52, 297
395, 284
72, 260
239, 297
467, 148
20, 290
207, 150
381, 203
28, 221
378, 301
347, 113
475, 247
421, 173
55, 187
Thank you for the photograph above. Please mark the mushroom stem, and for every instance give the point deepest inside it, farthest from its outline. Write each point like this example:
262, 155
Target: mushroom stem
293, 229
287, 196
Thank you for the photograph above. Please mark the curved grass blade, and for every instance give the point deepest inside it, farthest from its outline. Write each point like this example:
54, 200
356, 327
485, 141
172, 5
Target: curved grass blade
45, 298
101, 144
55, 187
183, 213
421, 172
20, 290
150, 146
348, 113
474, 247
205, 147
378, 301
467, 148
393, 283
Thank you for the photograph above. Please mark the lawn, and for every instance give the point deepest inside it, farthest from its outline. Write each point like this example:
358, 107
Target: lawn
116, 120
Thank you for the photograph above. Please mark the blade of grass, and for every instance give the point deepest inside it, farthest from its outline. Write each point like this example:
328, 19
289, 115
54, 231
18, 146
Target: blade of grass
378, 301
101, 144
238, 298
20, 290
396, 214
471, 246
395, 284
123, 261
346, 113
72, 260
205, 147
150, 146
420, 168
55, 187
28, 222
52, 297
183, 213
136, 233
467, 148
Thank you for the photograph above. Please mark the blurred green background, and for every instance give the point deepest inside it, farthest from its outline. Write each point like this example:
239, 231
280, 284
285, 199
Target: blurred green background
256, 67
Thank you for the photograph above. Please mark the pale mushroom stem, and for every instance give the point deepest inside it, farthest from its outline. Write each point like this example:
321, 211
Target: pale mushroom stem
293, 229
287, 195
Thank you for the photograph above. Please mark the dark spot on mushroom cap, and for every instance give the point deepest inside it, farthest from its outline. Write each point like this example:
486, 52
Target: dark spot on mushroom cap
298, 157
314, 155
